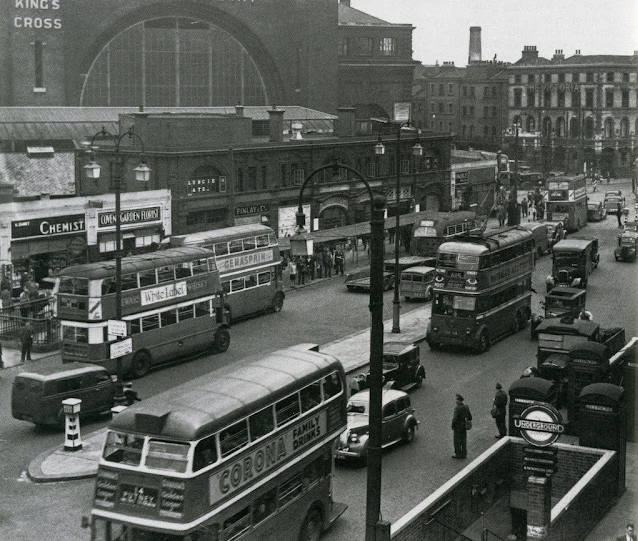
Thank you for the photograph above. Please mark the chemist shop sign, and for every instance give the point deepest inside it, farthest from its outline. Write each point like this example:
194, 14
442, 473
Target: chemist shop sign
48, 227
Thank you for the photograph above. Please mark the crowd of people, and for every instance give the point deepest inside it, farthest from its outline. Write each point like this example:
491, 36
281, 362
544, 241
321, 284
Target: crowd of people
302, 269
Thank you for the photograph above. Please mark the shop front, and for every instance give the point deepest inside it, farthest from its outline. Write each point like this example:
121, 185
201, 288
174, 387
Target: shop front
39, 237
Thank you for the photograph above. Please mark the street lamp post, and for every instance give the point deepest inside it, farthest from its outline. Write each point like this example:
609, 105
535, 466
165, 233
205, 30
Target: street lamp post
373, 503
514, 214
379, 150
142, 173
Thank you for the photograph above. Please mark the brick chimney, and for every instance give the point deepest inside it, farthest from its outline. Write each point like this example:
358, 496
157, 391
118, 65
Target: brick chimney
475, 45
276, 124
529, 53
558, 56
344, 125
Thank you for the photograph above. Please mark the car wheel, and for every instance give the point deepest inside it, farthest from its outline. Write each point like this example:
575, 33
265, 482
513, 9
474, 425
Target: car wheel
434, 346
408, 435
221, 340
483, 343
278, 302
312, 526
418, 381
141, 364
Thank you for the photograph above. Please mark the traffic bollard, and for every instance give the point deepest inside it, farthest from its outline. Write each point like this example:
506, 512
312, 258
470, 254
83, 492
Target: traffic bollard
72, 438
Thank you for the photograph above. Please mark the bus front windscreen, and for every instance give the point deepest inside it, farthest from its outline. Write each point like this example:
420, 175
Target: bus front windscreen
448, 304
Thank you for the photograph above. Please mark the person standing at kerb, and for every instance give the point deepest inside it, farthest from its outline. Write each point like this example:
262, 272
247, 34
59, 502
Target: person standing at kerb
459, 427
26, 339
499, 410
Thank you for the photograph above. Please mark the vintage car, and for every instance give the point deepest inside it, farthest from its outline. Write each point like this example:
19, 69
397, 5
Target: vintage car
360, 281
418, 283
596, 212
627, 243
573, 260
614, 193
611, 204
540, 237
555, 231
398, 424
559, 302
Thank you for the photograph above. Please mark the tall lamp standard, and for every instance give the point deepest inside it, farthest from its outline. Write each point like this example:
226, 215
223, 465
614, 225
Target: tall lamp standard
143, 174
417, 150
515, 216
299, 242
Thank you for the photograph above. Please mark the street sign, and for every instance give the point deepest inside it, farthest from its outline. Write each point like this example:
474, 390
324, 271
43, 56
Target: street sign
117, 328
540, 425
121, 348
402, 111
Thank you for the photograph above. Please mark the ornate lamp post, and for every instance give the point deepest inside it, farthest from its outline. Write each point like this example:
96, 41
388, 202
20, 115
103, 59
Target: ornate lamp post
379, 149
142, 174
373, 505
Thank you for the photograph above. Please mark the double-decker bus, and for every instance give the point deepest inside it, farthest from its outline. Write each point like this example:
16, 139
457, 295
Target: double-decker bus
245, 451
249, 266
172, 301
482, 289
567, 201
437, 227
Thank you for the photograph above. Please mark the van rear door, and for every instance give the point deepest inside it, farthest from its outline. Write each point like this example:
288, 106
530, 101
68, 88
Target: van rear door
26, 399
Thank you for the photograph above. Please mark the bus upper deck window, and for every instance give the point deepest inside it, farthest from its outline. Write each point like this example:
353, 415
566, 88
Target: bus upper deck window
147, 278
165, 455
331, 386
233, 438
129, 281
123, 448
205, 453
263, 241
287, 409
165, 274
249, 243
200, 266
261, 423
183, 271
108, 286
310, 396
221, 248
236, 246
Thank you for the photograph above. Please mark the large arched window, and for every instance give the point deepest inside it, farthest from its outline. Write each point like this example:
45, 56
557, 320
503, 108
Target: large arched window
531, 124
624, 127
173, 62
574, 127
560, 127
589, 127
609, 127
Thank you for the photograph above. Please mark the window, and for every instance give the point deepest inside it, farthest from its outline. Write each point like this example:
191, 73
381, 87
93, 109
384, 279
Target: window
75, 334
609, 97
465, 91
518, 97
250, 281
331, 386
262, 241
493, 112
236, 525
343, 46
249, 243
561, 77
299, 174
362, 46
283, 170
263, 278
441, 107
221, 248
233, 438
147, 278
287, 409
202, 309
168, 317
310, 396
609, 77
74, 286
625, 98
389, 410
261, 423
561, 98
388, 46
185, 312
464, 111
517, 78
264, 506
123, 448
241, 187
205, 453
441, 89
547, 97
237, 284
289, 490
450, 108
371, 168
486, 112
450, 89
575, 77
590, 77
38, 64
589, 97
164, 455
236, 246
165, 274
199, 266
251, 185
264, 178
150, 322
471, 92
575, 98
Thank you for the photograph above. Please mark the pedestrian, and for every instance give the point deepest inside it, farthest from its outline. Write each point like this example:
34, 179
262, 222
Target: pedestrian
339, 262
595, 185
524, 206
301, 271
499, 410
461, 422
532, 214
310, 268
619, 213
292, 270
26, 339
500, 213
540, 210
327, 264
5, 283
357, 383
1, 363
628, 535
5, 298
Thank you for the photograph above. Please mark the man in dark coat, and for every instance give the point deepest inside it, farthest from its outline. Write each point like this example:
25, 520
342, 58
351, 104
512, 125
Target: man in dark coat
461, 414
500, 405
26, 338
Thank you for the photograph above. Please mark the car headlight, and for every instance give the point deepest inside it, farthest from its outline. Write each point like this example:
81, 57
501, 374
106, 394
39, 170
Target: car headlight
468, 331
435, 328
353, 438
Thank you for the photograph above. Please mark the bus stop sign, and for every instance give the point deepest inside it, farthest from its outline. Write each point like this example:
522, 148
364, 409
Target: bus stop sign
121, 348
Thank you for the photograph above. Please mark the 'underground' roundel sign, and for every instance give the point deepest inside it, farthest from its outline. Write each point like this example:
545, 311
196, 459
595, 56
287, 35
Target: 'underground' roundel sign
540, 425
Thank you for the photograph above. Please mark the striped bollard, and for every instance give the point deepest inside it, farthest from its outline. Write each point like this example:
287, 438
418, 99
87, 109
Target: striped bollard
72, 439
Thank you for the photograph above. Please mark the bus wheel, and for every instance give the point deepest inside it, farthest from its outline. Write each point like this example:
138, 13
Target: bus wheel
312, 526
484, 343
141, 364
278, 302
221, 341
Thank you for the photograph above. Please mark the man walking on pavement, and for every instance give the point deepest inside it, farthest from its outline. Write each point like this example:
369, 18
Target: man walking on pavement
619, 214
499, 410
26, 339
459, 426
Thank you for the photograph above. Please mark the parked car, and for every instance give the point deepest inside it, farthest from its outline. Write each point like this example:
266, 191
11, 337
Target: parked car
398, 423
627, 243
37, 394
596, 212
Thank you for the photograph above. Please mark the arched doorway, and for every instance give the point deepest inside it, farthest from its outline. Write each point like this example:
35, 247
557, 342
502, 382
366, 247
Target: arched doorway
173, 62
432, 202
333, 216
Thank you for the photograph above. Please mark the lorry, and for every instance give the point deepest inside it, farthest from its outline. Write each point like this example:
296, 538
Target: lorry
558, 302
360, 280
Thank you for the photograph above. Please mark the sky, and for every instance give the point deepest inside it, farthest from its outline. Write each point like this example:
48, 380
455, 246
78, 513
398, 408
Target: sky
442, 30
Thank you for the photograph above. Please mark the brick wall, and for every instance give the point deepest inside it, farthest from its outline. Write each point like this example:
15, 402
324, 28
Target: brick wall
460, 501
